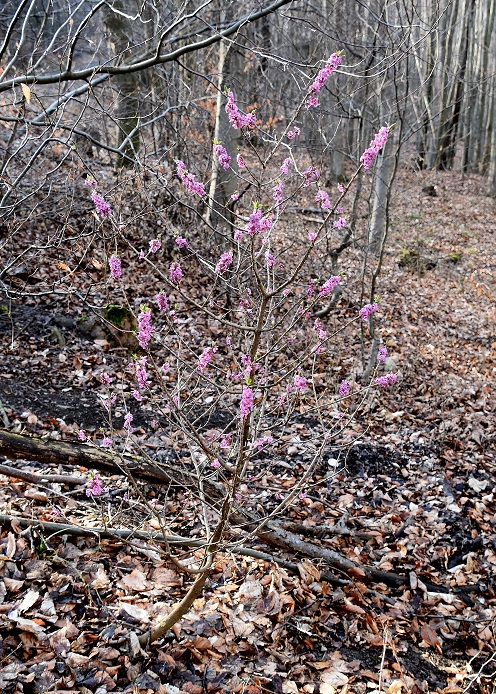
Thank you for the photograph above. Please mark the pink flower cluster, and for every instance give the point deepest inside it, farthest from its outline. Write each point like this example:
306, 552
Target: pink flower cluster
382, 354
277, 193
162, 301
246, 405
175, 273
140, 372
323, 198
115, 267
107, 442
145, 328
95, 486
257, 223
260, 443
222, 155
300, 383
310, 175
224, 262
340, 223
127, 423
367, 311
102, 207
375, 147
237, 119
240, 162
225, 440
387, 380
314, 89
205, 358
285, 166
155, 245
188, 180
181, 242
291, 134
344, 388
329, 285
270, 259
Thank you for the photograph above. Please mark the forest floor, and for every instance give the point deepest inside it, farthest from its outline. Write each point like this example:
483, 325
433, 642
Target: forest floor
421, 480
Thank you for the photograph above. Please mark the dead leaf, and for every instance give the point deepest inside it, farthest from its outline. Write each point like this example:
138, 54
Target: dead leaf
134, 613
11, 546
28, 625
308, 572
101, 580
27, 92
28, 601
136, 580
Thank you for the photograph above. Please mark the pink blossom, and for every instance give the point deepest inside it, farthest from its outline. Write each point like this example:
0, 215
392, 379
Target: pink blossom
90, 181
162, 301
332, 64
340, 223
237, 119
311, 288
375, 147
225, 440
188, 179
115, 267
344, 388
340, 188
387, 380
215, 463
323, 198
107, 442
240, 161
224, 262
312, 235
238, 234
285, 166
367, 311
257, 223
300, 383
270, 259
103, 209
105, 378
302, 496
95, 486
234, 197
181, 242
127, 422
329, 285
155, 245
277, 193
382, 354
175, 273
141, 373
145, 329
310, 175
260, 443
291, 134
142, 254
205, 358
222, 155
82, 435
246, 405
137, 395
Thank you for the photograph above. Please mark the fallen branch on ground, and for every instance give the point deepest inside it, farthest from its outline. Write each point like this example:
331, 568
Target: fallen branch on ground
61, 452
40, 479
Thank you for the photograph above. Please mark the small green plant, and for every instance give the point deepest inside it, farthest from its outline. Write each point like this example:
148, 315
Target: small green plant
117, 315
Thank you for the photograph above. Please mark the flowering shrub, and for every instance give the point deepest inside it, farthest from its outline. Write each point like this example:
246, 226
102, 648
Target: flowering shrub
255, 293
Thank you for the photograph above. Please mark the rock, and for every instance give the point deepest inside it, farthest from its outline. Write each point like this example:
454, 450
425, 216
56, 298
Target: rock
57, 335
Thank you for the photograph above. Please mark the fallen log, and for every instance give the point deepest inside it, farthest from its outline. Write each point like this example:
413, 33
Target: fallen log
16, 446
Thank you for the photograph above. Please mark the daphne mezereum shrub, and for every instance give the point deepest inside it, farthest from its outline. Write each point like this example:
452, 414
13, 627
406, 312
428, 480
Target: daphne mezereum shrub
258, 298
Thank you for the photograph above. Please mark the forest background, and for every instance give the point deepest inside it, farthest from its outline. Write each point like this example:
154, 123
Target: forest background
248, 346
